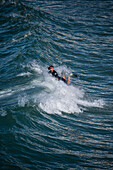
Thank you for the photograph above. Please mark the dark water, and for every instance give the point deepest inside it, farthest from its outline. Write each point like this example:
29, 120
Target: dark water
45, 124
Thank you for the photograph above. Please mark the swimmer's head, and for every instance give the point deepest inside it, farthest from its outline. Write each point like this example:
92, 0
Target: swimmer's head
51, 68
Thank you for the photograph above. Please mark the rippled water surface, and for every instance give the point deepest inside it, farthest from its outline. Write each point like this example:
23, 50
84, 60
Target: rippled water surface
45, 124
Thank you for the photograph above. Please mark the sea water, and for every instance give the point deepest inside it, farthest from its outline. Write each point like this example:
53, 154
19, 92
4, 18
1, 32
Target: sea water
45, 123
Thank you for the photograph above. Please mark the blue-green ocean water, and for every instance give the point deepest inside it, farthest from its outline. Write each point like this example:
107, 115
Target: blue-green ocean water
45, 124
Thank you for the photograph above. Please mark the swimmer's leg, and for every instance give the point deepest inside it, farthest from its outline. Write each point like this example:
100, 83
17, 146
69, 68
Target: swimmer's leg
68, 81
64, 79
63, 76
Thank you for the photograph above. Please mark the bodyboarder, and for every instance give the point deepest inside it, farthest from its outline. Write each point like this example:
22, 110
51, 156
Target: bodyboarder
55, 74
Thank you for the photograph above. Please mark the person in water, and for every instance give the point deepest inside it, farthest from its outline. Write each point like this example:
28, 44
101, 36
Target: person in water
55, 74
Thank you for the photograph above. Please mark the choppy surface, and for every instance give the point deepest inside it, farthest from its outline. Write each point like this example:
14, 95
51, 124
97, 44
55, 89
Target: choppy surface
45, 124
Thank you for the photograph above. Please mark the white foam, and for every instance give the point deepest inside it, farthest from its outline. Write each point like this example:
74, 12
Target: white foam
35, 67
95, 103
53, 96
16, 89
62, 98
24, 74
6, 92
3, 112
10, 91
22, 100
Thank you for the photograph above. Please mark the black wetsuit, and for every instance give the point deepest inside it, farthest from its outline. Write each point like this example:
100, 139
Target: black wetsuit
55, 74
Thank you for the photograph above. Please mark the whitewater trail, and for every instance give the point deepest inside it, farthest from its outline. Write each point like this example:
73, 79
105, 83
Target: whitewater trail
58, 97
